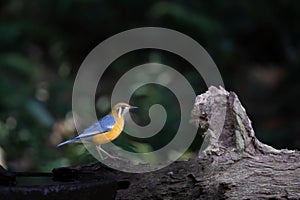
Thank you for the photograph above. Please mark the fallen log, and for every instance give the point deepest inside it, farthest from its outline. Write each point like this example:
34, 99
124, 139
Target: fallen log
232, 163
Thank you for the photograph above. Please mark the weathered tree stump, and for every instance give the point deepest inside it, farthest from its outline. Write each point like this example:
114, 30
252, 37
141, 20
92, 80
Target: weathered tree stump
232, 163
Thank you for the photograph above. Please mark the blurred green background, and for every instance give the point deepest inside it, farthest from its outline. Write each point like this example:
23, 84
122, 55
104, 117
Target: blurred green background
255, 44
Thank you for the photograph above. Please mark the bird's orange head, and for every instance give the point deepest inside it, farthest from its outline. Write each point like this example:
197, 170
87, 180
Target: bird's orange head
120, 109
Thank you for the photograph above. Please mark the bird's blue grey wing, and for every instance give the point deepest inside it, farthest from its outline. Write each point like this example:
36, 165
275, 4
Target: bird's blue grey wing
103, 125
107, 123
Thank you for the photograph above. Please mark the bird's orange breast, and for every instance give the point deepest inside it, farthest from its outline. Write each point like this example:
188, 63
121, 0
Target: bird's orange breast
110, 135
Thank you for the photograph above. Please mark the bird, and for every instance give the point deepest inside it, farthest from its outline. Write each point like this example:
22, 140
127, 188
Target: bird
105, 130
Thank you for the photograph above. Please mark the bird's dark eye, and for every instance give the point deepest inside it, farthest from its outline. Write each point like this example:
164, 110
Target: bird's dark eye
122, 108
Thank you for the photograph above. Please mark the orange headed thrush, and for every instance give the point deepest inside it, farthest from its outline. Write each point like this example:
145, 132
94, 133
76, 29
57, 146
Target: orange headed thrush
105, 130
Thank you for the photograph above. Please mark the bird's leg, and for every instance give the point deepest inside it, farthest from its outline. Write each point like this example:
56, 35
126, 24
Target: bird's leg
99, 149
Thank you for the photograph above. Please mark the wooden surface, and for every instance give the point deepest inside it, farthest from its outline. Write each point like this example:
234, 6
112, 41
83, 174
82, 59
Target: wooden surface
234, 165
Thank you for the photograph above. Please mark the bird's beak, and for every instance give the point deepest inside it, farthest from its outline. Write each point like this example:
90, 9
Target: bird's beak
132, 107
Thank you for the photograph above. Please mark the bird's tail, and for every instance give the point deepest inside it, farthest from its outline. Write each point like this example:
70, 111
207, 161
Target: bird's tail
67, 142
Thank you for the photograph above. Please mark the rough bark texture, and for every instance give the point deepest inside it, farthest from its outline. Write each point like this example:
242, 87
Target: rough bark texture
241, 166
232, 163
